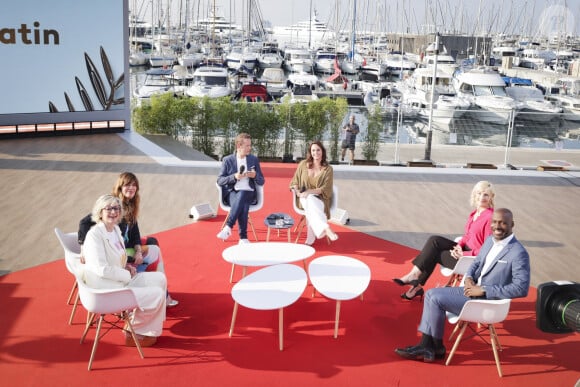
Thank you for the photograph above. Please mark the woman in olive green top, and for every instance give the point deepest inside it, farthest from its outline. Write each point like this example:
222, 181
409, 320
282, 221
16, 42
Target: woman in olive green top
312, 185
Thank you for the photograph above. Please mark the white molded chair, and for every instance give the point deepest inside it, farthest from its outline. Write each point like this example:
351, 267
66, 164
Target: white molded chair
72, 258
456, 274
116, 302
302, 222
482, 312
253, 208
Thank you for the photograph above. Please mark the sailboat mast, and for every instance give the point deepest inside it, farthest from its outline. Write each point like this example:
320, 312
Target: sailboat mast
310, 28
353, 29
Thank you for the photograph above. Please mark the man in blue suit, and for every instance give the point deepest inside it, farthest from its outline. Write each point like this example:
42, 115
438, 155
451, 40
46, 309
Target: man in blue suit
238, 178
500, 270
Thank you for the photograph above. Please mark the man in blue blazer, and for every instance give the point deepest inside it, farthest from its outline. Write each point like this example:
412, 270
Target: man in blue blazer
238, 178
500, 270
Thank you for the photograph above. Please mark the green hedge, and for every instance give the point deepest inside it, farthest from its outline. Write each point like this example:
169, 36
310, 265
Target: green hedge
212, 124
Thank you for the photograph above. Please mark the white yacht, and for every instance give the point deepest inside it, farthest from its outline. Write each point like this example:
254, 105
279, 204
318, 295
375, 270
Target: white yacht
242, 59
503, 49
209, 82
158, 81
299, 94
444, 61
269, 56
218, 25
162, 59
274, 79
374, 66
569, 86
352, 63
533, 106
485, 90
417, 89
302, 78
531, 58
325, 62
190, 59
398, 65
569, 104
138, 58
309, 33
298, 60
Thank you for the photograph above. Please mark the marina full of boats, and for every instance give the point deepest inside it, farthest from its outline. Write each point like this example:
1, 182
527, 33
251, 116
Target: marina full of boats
308, 60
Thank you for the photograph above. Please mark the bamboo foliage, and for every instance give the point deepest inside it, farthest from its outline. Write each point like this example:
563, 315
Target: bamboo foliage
212, 124
371, 139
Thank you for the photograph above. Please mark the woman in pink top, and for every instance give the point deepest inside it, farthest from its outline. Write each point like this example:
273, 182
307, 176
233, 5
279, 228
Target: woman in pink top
443, 251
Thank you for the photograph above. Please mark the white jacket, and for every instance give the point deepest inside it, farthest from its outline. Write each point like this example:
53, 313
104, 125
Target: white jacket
104, 266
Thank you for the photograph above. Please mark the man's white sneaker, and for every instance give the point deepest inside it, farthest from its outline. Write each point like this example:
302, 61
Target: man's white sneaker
243, 241
224, 233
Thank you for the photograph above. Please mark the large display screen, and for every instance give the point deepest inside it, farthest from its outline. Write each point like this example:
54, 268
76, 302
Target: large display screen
63, 60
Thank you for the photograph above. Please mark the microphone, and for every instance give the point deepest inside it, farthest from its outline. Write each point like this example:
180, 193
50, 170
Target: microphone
242, 169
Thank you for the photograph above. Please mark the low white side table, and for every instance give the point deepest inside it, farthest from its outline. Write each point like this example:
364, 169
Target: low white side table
265, 254
273, 287
278, 221
339, 278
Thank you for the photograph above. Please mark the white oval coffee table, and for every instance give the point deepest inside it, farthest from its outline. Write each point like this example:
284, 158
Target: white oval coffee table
339, 278
265, 254
273, 287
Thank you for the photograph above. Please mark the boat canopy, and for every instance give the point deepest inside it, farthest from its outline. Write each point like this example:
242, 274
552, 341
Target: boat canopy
515, 81
160, 71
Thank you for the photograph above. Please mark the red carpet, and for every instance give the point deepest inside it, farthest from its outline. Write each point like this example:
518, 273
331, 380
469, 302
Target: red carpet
37, 347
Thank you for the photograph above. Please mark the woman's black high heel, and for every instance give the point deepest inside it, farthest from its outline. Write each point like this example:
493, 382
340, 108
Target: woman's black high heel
400, 282
419, 293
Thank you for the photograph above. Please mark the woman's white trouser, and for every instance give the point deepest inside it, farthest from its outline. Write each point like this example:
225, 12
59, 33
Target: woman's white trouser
150, 290
315, 216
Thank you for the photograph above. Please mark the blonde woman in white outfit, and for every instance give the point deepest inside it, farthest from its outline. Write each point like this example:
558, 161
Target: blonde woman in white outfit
106, 267
312, 184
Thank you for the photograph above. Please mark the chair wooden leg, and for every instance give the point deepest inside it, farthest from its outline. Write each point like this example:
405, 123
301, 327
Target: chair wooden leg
127, 320
281, 328
494, 335
452, 280
300, 227
72, 292
463, 326
95, 345
233, 318
90, 318
494, 346
299, 223
252, 226
225, 220
232, 273
74, 309
336, 318
454, 332
299, 233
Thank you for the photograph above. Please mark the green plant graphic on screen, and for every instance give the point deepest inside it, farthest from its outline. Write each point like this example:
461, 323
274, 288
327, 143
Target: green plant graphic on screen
106, 92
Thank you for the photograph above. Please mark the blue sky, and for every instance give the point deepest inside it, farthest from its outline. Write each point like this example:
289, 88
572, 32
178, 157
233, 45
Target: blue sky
507, 16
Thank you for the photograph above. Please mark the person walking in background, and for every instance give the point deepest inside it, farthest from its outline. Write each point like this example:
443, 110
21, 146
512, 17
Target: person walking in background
501, 270
143, 253
312, 186
106, 267
351, 129
444, 251
238, 177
